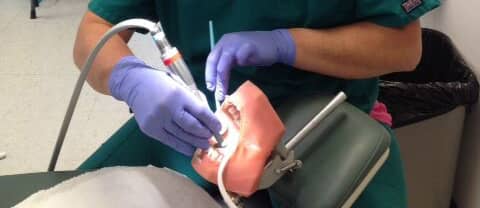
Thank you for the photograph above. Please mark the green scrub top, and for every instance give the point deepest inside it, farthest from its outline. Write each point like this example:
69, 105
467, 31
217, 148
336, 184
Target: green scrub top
186, 26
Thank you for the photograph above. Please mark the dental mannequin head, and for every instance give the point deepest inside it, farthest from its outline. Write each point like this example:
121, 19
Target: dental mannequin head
246, 115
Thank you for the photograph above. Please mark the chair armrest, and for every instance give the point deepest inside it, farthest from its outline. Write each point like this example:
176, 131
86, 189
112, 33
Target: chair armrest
339, 157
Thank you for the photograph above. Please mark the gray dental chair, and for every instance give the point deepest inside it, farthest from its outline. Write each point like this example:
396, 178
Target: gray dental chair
350, 147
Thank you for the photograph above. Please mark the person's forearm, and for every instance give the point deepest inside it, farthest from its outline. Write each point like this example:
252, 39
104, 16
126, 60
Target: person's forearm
356, 51
91, 29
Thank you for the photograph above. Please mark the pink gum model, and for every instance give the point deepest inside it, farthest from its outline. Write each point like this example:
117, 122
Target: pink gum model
248, 116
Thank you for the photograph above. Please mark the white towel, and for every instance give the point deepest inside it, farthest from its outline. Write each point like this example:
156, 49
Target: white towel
119, 187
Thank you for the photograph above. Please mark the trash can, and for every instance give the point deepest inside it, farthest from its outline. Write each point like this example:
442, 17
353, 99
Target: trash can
428, 107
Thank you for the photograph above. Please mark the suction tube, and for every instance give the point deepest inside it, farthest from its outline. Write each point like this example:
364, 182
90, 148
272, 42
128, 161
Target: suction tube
127, 24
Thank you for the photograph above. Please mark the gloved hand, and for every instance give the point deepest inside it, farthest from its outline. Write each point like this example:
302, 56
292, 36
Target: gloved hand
163, 109
257, 48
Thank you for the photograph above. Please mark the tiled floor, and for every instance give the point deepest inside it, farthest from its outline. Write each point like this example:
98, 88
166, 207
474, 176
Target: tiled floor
37, 76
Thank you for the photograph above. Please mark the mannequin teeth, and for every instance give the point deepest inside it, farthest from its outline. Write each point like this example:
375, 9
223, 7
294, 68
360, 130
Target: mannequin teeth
236, 115
210, 152
220, 158
233, 112
215, 155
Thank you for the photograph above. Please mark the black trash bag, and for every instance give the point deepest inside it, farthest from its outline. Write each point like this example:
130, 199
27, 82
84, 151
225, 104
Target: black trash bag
441, 82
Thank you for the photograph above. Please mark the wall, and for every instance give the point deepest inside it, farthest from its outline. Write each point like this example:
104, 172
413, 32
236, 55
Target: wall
460, 19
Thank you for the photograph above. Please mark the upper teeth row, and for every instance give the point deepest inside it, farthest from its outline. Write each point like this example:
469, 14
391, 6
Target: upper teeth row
233, 111
215, 154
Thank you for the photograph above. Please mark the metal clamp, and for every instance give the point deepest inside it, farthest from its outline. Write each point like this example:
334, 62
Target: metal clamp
276, 168
290, 167
283, 160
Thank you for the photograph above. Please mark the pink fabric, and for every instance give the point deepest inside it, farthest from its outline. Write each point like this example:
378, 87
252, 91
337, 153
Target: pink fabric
380, 113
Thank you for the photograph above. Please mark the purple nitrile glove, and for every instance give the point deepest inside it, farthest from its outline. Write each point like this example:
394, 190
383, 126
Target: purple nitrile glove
256, 48
163, 109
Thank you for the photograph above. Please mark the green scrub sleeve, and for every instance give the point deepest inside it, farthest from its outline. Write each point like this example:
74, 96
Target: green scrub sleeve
394, 13
115, 11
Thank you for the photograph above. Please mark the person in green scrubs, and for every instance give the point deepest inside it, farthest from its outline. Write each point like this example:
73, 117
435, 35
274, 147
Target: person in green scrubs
292, 47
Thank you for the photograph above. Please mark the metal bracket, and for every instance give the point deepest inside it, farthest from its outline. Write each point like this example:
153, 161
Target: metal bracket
283, 159
276, 168
290, 167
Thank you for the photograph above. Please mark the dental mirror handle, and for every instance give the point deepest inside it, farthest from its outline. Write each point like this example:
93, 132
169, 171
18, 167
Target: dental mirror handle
212, 44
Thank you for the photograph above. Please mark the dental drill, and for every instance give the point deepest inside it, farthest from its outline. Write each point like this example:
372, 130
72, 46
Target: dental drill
171, 57
173, 60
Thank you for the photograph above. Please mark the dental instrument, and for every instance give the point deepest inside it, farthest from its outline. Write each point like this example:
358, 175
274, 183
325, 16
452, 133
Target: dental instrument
217, 102
173, 60
211, 34
171, 57
212, 44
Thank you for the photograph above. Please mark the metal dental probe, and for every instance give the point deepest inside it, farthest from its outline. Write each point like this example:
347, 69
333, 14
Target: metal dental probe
212, 44
217, 136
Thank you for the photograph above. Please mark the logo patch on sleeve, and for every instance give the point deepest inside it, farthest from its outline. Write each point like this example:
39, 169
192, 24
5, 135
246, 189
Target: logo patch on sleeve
410, 5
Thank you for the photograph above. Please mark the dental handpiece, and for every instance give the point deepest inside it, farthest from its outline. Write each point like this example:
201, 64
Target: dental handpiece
173, 60
157, 32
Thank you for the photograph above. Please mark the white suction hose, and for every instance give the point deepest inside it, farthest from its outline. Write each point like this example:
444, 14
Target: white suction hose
229, 151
